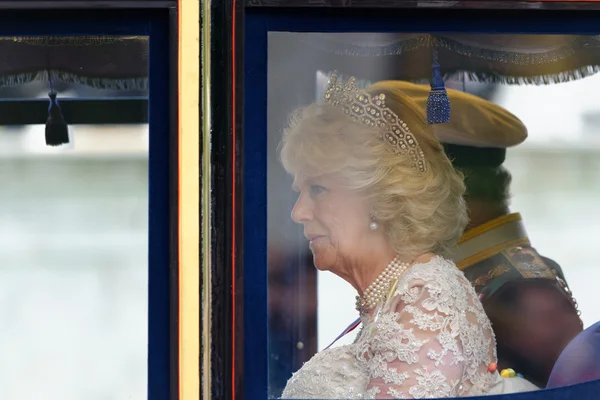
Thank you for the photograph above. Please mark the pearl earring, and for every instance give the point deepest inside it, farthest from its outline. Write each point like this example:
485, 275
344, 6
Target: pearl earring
373, 226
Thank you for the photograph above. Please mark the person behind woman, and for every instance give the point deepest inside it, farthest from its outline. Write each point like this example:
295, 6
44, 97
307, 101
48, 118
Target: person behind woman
381, 206
525, 295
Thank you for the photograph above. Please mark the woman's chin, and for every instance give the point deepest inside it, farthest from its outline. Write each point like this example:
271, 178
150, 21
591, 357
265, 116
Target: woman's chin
324, 254
321, 267
321, 263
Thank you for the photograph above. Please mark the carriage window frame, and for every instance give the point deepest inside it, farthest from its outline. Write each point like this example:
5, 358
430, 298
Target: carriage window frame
239, 341
172, 114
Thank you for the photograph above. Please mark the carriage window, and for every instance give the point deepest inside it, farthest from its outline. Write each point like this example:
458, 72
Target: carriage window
526, 149
74, 217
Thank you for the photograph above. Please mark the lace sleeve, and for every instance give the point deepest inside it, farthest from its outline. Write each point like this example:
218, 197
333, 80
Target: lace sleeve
414, 348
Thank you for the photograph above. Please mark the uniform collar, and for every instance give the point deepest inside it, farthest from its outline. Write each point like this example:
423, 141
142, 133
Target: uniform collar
486, 240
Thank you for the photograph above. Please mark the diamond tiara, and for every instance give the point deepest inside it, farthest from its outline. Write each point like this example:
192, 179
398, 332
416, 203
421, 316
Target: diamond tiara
371, 111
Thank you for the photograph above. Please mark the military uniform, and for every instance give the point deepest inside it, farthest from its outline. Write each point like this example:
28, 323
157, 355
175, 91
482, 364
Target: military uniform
508, 273
497, 256
499, 252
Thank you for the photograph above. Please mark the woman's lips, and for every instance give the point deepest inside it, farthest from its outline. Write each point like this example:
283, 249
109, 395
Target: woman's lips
312, 236
315, 241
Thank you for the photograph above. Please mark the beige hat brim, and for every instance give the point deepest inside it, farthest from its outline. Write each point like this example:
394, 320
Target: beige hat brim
473, 122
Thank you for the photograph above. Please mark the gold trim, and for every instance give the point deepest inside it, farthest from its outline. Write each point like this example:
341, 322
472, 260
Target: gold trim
206, 208
189, 200
495, 272
488, 226
492, 251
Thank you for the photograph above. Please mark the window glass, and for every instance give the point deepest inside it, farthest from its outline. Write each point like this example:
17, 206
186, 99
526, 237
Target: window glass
531, 190
74, 224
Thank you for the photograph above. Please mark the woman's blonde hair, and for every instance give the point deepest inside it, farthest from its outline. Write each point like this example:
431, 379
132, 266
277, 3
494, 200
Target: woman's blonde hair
419, 212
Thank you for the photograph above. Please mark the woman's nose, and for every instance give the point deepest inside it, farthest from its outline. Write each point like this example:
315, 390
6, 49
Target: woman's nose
301, 213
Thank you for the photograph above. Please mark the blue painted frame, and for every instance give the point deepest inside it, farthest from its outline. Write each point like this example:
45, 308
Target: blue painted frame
257, 24
155, 24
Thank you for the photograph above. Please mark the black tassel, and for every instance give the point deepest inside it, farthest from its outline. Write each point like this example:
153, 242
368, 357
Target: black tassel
57, 131
438, 104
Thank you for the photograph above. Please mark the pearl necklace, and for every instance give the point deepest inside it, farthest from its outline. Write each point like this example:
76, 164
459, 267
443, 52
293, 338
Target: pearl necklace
378, 290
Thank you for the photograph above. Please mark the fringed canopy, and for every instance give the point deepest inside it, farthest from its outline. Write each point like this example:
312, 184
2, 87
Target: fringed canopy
101, 62
512, 59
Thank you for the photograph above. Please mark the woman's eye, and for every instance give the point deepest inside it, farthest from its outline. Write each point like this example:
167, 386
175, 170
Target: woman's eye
316, 190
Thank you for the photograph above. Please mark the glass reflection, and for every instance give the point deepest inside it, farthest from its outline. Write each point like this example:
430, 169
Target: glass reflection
526, 202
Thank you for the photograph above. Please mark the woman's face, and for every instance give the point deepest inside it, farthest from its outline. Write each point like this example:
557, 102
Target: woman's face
336, 222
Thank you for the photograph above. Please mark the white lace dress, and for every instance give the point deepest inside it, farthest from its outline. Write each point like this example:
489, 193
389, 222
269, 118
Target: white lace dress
432, 340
